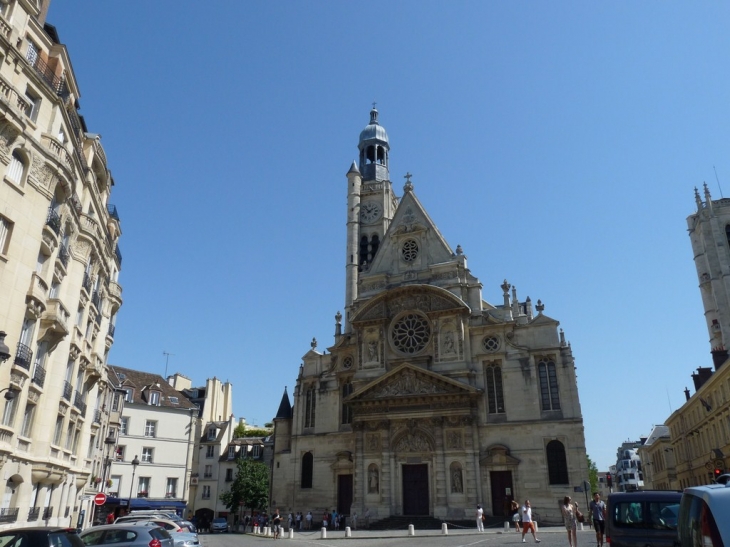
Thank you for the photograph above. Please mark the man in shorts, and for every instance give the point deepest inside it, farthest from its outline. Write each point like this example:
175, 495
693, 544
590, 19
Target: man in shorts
276, 519
598, 512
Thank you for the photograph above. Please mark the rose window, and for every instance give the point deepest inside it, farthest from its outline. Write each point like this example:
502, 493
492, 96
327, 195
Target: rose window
410, 333
410, 250
491, 344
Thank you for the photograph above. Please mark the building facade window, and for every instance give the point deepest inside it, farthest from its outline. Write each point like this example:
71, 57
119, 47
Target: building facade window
27, 427
124, 426
119, 453
206, 492
549, 393
34, 104
154, 398
495, 394
58, 431
128, 395
307, 470
143, 487
231, 452
210, 451
208, 473
147, 454
6, 230
150, 427
346, 410
256, 453
310, 404
557, 463
229, 475
9, 412
171, 488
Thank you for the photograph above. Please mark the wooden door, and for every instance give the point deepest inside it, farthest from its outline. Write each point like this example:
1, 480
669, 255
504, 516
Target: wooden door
415, 489
344, 494
502, 492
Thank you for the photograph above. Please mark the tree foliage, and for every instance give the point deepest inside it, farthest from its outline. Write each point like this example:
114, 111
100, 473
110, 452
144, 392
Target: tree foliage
592, 474
256, 433
251, 486
239, 431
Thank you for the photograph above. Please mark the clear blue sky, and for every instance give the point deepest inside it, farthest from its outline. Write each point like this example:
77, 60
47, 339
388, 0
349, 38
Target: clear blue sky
557, 142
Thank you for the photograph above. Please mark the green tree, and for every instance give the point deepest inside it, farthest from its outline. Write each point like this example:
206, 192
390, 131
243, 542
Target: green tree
592, 474
249, 488
239, 431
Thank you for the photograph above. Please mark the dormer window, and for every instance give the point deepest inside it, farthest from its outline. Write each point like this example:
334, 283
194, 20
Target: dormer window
154, 398
256, 451
211, 434
231, 452
128, 395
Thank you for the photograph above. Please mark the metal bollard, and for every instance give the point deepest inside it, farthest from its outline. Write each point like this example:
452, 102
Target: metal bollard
411, 530
444, 529
291, 533
256, 529
506, 526
348, 532
323, 533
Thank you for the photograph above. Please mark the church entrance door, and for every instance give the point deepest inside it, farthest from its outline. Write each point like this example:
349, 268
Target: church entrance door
344, 494
501, 490
415, 489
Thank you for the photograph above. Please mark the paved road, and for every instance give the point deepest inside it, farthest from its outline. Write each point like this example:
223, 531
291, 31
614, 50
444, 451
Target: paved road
550, 537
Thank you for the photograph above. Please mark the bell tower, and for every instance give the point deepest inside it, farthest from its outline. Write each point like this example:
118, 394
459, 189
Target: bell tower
371, 204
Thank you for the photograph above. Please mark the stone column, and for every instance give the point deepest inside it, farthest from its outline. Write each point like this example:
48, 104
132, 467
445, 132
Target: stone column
359, 479
440, 470
386, 469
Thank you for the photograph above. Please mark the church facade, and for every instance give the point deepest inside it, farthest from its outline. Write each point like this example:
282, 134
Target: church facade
430, 400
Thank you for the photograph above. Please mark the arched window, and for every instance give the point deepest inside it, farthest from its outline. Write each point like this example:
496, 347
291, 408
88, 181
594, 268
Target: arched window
310, 403
495, 395
557, 463
549, 393
307, 470
16, 168
368, 248
346, 410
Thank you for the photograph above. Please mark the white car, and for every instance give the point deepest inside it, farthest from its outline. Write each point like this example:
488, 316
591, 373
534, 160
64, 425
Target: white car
704, 516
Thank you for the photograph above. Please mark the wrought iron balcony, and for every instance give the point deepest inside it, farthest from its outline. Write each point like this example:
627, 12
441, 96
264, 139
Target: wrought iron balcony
82, 408
112, 210
8, 515
33, 514
97, 416
58, 85
63, 255
23, 356
78, 400
39, 376
47, 513
53, 221
67, 390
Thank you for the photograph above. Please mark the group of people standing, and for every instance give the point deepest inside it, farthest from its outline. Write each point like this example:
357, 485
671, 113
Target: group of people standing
571, 517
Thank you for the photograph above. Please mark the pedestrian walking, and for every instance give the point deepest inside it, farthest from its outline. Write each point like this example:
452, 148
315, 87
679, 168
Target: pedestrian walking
480, 519
598, 512
570, 519
527, 524
276, 519
515, 511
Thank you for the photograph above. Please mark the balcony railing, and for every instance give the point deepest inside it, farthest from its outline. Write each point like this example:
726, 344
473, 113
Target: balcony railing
78, 400
63, 255
207, 475
53, 221
47, 513
67, 390
39, 375
8, 515
33, 514
97, 416
48, 75
23, 356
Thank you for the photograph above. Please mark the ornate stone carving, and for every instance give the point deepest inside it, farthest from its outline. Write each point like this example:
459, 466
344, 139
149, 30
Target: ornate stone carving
408, 383
454, 440
413, 442
373, 479
373, 442
445, 275
409, 302
8, 134
373, 286
376, 312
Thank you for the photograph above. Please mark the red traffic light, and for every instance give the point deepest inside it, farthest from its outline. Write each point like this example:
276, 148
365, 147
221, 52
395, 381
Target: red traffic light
609, 480
718, 472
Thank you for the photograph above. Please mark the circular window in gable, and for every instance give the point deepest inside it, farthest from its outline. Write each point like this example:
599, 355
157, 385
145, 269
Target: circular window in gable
409, 251
410, 333
491, 344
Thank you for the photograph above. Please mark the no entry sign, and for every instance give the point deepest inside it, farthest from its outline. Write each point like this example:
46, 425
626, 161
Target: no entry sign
100, 498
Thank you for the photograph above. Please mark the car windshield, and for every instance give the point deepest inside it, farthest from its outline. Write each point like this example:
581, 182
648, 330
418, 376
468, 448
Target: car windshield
220, 520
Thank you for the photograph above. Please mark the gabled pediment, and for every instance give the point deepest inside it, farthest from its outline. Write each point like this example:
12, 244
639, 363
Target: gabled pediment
498, 456
543, 319
407, 382
426, 298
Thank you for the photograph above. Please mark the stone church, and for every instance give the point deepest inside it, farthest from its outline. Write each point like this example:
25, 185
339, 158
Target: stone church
430, 400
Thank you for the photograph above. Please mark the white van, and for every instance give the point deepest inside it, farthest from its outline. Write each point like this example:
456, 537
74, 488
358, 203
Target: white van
704, 516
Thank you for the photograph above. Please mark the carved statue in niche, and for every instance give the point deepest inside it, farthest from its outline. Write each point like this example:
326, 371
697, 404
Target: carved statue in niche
371, 348
373, 479
449, 342
457, 482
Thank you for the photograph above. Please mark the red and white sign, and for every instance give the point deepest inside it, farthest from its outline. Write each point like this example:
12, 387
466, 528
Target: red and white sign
100, 498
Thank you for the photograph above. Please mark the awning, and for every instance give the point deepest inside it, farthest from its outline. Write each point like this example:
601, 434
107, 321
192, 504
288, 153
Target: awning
143, 503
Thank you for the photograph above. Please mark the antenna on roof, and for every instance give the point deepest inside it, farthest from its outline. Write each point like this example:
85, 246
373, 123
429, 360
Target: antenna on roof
167, 358
718, 181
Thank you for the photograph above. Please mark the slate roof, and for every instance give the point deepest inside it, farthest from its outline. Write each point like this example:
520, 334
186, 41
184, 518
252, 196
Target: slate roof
143, 383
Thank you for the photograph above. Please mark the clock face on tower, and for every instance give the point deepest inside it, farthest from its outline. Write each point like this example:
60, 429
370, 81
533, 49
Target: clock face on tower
370, 211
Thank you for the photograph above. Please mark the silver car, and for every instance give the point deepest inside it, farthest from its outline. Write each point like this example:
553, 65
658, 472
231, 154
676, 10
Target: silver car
127, 535
183, 539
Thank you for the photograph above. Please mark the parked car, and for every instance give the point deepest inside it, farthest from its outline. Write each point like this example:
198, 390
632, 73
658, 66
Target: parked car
190, 526
645, 517
127, 535
41, 536
704, 516
169, 525
219, 524
184, 539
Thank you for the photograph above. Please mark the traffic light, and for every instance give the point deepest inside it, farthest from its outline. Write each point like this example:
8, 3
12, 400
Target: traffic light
609, 480
717, 472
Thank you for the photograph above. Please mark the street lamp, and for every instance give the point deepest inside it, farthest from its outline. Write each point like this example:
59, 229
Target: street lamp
110, 441
4, 349
10, 393
135, 463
